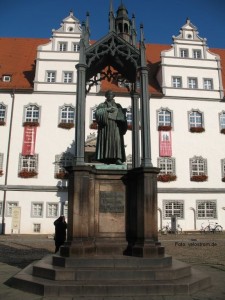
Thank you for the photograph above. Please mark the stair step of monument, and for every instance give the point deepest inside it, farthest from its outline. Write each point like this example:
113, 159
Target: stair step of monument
112, 261
44, 269
25, 281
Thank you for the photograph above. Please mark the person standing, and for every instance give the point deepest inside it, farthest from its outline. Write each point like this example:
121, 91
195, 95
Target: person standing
112, 125
60, 232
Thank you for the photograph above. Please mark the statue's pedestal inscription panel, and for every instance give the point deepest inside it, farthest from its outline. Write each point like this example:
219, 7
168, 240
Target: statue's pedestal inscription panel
111, 212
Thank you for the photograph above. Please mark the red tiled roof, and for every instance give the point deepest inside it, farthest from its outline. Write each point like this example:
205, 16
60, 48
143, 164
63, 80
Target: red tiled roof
17, 58
18, 55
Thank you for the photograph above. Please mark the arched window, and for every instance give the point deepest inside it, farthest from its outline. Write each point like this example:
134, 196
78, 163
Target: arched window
164, 119
2, 114
32, 114
196, 123
66, 116
222, 122
198, 169
61, 161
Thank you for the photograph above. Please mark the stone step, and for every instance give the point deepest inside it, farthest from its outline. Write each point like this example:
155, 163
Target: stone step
46, 270
114, 288
112, 261
167, 282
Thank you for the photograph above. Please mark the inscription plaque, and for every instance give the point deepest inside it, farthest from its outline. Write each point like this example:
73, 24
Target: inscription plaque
111, 202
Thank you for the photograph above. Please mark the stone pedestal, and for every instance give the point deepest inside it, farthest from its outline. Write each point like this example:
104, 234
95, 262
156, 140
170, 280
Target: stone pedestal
141, 218
96, 211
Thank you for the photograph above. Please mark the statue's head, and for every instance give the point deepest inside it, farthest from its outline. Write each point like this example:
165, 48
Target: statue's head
109, 95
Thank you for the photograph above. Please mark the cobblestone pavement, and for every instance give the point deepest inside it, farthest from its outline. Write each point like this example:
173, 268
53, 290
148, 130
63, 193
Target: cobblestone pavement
205, 252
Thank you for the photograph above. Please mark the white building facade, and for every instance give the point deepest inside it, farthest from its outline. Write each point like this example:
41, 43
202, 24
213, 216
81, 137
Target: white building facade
37, 129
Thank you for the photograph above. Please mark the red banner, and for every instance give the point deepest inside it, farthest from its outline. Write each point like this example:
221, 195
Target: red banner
165, 143
29, 139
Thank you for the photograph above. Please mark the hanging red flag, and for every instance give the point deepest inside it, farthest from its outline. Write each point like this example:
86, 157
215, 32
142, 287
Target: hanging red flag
165, 143
29, 139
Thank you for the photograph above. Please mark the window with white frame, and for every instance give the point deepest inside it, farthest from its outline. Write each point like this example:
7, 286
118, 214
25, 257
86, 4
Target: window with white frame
76, 47
198, 166
223, 168
93, 116
1, 206
222, 120
9, 207
184, 53
52, 210
37, 210
208, 84
6, 78
166, 165
2, 113
206, 209
61, 161
65, 210
173, 208
176, 82
32, 113
67, 77
37, 227
62, 46
192, 83
129, 116
28, 163
67, 113
164, 117
197, 53
51, 76
195, 119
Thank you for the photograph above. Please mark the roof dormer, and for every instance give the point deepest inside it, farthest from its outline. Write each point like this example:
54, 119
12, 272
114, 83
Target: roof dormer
69, 25
189, 33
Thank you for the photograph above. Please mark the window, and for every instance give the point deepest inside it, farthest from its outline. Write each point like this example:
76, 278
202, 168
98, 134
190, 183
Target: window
37, 228
52, 210
2, 114
28, 166
62, 46
176, 82
195, 119
1, 163
192, 83
206, 209
9, 207
76, 47
61, 161
67, 113
208, 84
184, 53
129, 117
67, 77
6, 78
51, 76
164, 117
167, 165
32, 113
0, 208
198, 168
197, 54
222, 122
65, 210
36, 210
173, 208
223, 169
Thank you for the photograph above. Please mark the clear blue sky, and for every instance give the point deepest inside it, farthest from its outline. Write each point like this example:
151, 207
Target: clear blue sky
161, 18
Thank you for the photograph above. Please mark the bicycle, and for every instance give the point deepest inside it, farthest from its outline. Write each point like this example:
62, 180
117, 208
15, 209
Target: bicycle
167, 229
211, 227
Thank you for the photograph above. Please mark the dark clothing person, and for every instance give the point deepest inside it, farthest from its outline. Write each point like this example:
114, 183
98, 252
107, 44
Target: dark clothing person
60, 232
112, 125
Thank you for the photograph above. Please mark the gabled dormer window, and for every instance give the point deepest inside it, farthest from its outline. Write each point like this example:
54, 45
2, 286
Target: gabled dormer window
184, 53
197, 54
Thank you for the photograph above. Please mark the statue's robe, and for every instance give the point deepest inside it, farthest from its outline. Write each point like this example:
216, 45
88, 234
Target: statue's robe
111, 128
